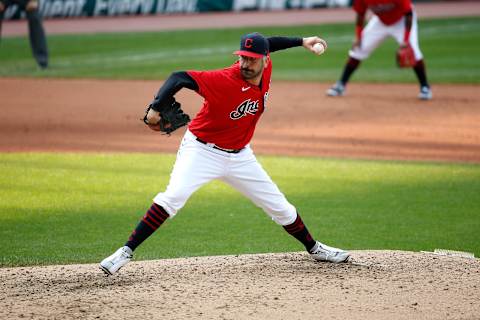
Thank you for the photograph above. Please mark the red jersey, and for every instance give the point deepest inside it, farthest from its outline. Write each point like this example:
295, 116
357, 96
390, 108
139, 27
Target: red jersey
388, 11
232, 106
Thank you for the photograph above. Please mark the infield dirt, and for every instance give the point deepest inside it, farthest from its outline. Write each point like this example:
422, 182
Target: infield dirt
374, 121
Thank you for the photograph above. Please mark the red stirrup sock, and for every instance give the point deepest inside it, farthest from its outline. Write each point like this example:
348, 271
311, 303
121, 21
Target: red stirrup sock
150, 222
300, 232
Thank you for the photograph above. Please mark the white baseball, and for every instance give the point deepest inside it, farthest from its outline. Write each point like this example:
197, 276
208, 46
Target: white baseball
318, 48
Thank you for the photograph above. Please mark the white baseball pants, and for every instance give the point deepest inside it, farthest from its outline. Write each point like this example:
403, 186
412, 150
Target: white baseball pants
197, 164
375, 32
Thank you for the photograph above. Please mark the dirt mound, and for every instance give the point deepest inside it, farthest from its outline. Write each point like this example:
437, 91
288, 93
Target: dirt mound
376, 285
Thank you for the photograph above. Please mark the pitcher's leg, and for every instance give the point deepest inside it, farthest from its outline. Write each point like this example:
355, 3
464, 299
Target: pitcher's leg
252, 180
193, 167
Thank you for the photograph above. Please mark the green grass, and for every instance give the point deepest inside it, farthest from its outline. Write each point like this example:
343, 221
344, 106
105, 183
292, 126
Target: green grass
72, 208
451, 48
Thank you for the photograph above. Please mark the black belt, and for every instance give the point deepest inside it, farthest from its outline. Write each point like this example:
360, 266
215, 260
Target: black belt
221, 149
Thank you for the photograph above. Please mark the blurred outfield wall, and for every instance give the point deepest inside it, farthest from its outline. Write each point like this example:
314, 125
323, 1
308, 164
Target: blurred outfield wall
91, 8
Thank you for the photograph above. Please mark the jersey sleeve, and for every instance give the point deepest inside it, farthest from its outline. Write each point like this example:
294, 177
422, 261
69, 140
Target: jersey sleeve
360, 7
204, 78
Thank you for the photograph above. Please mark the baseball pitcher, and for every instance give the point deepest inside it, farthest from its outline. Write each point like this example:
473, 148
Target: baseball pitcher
391, 18
216, 143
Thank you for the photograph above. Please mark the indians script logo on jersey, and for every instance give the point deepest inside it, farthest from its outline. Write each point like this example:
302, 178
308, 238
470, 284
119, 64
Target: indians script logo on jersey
245, 108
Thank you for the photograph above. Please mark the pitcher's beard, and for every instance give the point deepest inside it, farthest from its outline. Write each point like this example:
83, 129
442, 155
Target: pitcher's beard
249, 74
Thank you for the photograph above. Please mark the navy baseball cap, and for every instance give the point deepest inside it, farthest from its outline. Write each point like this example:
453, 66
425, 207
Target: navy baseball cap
253, 45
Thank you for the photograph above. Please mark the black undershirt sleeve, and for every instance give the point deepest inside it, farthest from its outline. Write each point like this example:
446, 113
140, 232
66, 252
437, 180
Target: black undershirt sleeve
281, 43
172, 85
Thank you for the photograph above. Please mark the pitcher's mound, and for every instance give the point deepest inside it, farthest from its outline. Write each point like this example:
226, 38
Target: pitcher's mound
374, 285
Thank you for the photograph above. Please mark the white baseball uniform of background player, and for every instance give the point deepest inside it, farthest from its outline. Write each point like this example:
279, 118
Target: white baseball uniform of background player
376, 32
391, 18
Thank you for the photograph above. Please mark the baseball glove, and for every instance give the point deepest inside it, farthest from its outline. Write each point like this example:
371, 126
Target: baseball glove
405, 57
172, 117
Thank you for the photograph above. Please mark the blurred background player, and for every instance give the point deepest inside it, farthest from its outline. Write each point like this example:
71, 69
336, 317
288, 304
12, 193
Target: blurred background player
38, 41
395, 18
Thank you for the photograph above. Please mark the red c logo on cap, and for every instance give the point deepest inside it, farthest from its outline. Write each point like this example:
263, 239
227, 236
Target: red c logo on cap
248, 43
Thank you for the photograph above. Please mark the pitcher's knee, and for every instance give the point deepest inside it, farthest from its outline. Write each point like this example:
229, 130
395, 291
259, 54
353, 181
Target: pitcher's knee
171, 203
282, 215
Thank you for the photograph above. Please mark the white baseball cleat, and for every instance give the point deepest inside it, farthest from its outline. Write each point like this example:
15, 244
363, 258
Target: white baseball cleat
322, 252
337, 90
425, 93
113, 263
